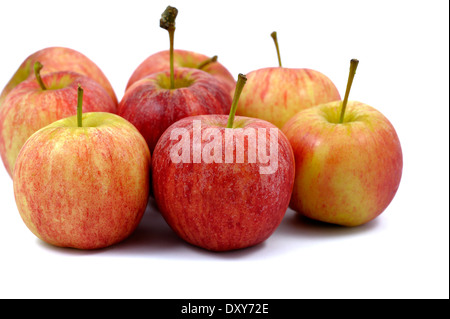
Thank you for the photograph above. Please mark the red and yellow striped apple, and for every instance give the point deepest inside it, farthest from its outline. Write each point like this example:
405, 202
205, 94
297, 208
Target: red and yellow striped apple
275, 94
83, 184
348, 161
31, 106
58, 59
159, 62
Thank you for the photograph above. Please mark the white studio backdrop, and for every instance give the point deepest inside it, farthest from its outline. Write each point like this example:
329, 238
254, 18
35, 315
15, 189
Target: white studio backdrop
403, 51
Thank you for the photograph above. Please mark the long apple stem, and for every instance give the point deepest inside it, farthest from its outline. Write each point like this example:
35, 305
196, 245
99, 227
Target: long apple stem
242, 79
172, 76
207, 62
80, 106
37, 73
168, 22
353, 66
274, 37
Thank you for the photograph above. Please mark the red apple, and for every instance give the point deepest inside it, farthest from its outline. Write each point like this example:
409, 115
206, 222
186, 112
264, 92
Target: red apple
85, 186
170, 59
58, 59
217, 187
159, 62
275, 94
348, 161
153, 103
29, 107
152, 106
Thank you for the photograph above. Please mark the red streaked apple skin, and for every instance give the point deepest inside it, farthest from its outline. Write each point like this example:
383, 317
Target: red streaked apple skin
160, 61
346, 174
153, 108
28, 108
222, 206
276, 94
84, 188
55, 59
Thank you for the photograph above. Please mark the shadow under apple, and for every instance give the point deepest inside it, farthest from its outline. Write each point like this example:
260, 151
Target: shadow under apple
297, 225
154, 238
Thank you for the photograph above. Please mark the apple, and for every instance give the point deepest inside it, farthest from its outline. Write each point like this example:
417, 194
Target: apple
152, 106
153, 103
58, 59
169, 59
216, 187
83, 181
159, 62
275, 94
39, 101
348, 161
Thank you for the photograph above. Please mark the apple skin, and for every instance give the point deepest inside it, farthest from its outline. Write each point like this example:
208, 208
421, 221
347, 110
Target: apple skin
160, 61
152, 107
346, 174
276, 94
27, 108
222, 206
83, 187
56, 59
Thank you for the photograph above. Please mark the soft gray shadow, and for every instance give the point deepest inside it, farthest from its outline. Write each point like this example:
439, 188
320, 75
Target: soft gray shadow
297, 225
231, 254
154, 238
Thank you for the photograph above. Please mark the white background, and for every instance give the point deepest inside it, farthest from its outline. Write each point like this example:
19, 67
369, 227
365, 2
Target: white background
403, 49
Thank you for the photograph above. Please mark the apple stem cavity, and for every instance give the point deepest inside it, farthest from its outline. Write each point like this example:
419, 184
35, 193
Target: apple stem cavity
207, 62
351, 76
242, 79
37, 73
274, 37
167, 22
80, 106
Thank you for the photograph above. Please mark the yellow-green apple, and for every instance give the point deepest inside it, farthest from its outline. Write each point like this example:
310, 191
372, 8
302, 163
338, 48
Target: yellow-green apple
159, 62
275, 94
83, 181
223, 182
153, 103
58, 59
39, 101
348, 161
169, 59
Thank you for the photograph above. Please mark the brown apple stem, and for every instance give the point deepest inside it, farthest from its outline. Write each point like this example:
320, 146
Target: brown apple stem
168, 22
353, 66
80, 106
242, 79
37, 73
172, 76
203, 64
274, 37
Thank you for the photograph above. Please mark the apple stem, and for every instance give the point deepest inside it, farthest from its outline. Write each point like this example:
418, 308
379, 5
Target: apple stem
353, 66
80, 106
167, 22
207, 62
242, 79
37, 72
274, 37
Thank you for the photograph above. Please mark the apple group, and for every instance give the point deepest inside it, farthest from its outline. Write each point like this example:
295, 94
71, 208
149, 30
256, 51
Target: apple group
84, 163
